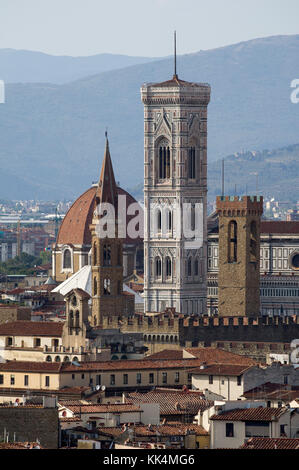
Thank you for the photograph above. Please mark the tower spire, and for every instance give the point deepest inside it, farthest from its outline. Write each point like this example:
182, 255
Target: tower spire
175, 74
106, 191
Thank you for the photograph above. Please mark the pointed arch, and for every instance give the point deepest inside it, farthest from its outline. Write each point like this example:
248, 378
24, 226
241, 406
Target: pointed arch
232, 242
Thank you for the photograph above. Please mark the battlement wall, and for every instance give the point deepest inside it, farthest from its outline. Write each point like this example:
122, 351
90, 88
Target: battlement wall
259, 329
239, 205
206, 329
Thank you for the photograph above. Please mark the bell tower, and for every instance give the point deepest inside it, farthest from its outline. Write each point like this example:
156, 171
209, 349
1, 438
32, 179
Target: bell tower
175, 176
239, 255
108, 298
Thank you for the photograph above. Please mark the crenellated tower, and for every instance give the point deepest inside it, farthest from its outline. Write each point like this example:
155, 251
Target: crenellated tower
239, 255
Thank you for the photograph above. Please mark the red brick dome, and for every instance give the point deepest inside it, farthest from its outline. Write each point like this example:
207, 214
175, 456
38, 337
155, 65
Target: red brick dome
74, 229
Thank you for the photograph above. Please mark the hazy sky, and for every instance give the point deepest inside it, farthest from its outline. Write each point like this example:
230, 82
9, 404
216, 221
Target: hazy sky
140, 27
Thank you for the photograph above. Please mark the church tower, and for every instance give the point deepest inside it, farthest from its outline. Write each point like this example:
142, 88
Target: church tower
175, 176
239, 255
108, 298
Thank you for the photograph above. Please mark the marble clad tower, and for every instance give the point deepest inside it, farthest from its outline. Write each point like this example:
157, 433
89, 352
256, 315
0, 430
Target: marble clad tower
175, 173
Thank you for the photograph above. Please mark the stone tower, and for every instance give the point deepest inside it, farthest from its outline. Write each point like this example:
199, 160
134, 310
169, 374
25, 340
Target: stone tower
175, 175
239, 255
108, 297
77, 318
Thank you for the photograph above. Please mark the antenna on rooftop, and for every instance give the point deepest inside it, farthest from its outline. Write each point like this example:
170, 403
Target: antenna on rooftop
222, 190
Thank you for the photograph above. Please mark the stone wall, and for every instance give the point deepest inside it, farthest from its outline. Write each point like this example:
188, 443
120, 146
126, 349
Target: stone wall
174, 331
10, 313
31, 423
260, 329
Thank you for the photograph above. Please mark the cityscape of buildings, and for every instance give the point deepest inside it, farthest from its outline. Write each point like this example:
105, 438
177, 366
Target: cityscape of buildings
171, 339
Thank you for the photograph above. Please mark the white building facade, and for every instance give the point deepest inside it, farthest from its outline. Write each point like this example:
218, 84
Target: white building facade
175, 192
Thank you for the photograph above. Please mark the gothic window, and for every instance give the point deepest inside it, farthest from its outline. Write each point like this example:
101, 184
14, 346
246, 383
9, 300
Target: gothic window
77, 318
95, 286
232, 242
192, 224
71, 318
107, 286
253, 242
189, 267
191, 163
107, 255
168, 266
158, 266
164, 160
67, 262
196, 270
169, 220
95, 254
159, 220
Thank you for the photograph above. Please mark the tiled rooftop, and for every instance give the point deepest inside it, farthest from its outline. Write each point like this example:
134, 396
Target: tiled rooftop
31, 328
271, 443
222, 369
102, 408
169, 429
174, 402
250, 414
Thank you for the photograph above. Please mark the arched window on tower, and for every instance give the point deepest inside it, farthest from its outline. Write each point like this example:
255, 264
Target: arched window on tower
95, 286
159, 220
189, 267
107, 286
158, 266
232, 242
191, 163
71, 319
169, 220
164, 159
67, 259
77, 318
95, 260
192, 223
253, 242
168, 267
196, 267
107, 255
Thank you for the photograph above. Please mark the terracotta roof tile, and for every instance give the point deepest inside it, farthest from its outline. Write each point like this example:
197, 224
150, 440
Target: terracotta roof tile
103, 408
271, 443
174, 402
166, 354
138, 364
272, 391
222, 369
31, 328
169, 429
279, 226
215, 355
176, 81
20, 445
250, 414
27, 366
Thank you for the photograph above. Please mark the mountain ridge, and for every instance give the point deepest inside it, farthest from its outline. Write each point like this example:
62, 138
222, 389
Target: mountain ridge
53, 135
